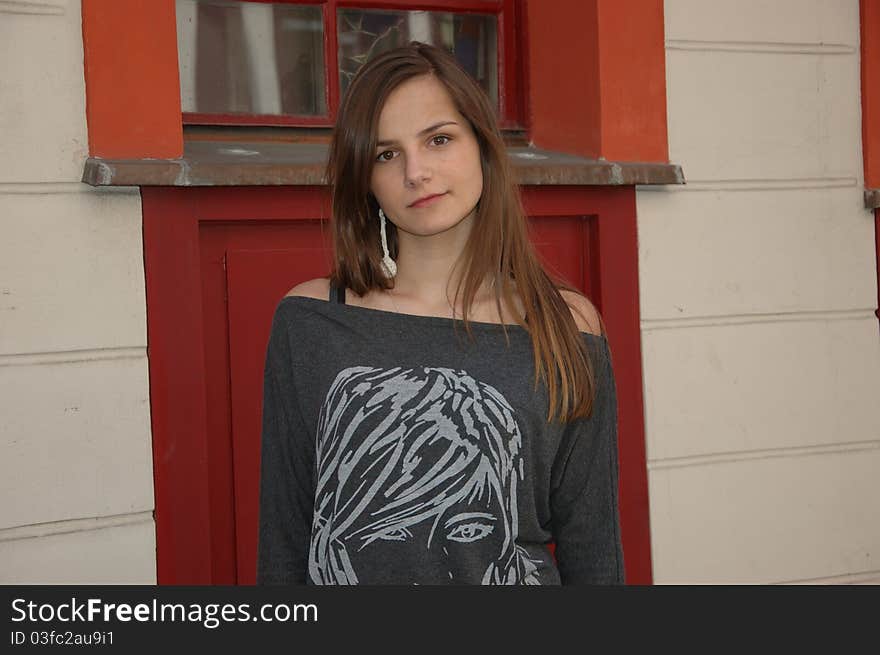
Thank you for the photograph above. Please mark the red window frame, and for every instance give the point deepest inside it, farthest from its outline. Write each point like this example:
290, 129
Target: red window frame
509, 83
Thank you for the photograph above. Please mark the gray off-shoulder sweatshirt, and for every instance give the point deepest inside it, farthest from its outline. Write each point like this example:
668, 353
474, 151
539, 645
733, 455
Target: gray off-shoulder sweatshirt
397, 451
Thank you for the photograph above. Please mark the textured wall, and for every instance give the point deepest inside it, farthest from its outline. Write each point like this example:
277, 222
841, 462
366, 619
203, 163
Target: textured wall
758, 290
76, 470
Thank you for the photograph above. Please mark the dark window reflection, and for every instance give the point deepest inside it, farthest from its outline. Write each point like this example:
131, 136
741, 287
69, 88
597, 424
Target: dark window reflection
472, 38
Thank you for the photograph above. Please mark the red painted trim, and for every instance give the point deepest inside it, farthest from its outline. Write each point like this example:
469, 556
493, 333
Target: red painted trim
870, 43
288, 2
331, 56
524, 66
190, 118
510, 68
482, 6
614, 276
611, 55
618, 277
283, 203
132, 83
511, 72
877, 247
502, 66
429, 5
177, 387
220, 451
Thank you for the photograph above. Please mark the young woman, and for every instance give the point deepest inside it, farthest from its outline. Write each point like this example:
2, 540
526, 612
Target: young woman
395, 448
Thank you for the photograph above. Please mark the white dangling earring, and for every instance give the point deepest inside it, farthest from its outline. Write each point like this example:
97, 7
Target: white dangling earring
389, 266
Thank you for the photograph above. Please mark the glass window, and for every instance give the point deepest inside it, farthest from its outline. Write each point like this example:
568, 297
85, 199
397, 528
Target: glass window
250, 58
256, 62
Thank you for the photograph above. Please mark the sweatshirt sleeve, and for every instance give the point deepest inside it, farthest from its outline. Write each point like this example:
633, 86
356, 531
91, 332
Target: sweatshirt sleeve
584, 500
286, 469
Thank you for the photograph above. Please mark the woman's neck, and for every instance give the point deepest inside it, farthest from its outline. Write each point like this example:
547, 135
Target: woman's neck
427, 275
427, 278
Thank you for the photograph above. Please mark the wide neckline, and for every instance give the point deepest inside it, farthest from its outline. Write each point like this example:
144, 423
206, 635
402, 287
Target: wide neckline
438, 321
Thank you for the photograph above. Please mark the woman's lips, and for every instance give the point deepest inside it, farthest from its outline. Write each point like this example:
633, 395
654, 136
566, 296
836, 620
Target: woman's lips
428, 201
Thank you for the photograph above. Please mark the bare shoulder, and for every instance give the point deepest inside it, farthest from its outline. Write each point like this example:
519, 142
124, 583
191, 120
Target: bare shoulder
317, 288
584, 312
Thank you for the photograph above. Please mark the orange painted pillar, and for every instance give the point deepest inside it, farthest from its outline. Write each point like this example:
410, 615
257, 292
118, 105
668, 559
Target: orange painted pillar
632, 80
132, 81
597, 80
562, 98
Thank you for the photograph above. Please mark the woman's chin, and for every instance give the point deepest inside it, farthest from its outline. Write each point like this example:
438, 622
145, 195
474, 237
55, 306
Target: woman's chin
432, 227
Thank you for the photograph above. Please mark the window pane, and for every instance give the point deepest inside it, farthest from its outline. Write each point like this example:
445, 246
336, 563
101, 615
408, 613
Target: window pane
250, 58
472, 38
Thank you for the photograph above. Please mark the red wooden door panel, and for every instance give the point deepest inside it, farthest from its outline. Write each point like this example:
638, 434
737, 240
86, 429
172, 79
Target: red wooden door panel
231, 327
565, 247
256, 280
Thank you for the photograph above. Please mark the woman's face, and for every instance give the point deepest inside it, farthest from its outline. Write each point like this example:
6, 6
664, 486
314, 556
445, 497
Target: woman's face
427, 176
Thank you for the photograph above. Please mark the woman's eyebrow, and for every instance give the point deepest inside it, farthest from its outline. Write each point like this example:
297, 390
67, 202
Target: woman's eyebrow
431, 128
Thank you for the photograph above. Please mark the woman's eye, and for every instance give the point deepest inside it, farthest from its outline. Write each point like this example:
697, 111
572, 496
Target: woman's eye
443, 140
382, 156
467, 532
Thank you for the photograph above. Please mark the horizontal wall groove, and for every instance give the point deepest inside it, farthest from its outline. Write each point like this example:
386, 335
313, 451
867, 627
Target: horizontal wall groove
74, 525
767, 184
27, 7
49, 188
864, 314
847, 578
73, 356
769, 47
763, 453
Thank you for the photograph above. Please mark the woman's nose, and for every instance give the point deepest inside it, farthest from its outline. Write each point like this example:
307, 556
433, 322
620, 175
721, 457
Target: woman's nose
416, 170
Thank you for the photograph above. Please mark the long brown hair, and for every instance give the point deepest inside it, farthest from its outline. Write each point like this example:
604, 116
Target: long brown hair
498, 248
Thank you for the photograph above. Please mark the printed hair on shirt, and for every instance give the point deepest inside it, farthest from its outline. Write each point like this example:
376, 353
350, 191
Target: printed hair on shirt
417, 478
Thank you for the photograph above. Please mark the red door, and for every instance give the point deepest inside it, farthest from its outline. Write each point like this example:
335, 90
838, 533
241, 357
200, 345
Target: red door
236, 251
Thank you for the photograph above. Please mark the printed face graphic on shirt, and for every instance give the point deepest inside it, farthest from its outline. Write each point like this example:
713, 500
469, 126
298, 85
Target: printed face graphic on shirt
417, 475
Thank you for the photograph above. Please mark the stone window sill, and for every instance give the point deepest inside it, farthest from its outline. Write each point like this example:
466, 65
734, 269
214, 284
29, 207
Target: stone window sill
238, 163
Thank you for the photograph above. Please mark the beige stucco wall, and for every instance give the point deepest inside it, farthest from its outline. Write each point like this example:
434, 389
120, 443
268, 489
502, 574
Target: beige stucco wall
758, 286
76, 494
